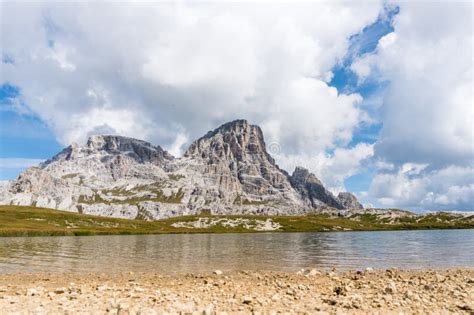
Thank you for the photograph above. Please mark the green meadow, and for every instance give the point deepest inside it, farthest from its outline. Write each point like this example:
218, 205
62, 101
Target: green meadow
32, 221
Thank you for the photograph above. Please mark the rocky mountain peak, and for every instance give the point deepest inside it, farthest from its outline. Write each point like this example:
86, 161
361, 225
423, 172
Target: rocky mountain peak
114, 151
349, 201
139, 150
311, 188
234, 155
302, 175
236, 140
116, 144
237, 126
227, 171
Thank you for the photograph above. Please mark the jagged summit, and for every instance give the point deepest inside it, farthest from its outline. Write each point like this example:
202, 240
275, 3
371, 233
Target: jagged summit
141, 150
349, 201
311, 189
235, 156
234, 140
227, 171
114, 143
237, 126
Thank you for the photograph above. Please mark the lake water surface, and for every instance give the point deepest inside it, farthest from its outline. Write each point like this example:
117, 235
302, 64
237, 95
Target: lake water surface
269, 251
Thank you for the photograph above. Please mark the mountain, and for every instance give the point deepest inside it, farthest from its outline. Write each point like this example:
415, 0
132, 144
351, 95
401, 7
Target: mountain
227, 171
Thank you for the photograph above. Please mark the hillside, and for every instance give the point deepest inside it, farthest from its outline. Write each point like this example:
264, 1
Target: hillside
32, 221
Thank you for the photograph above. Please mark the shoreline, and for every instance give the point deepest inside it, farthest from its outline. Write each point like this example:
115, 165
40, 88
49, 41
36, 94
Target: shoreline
33, 233
311, 291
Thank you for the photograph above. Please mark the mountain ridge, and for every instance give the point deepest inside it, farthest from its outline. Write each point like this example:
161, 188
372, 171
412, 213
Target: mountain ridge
226, 171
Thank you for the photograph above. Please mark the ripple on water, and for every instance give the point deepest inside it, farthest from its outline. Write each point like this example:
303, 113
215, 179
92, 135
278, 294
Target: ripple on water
269, 251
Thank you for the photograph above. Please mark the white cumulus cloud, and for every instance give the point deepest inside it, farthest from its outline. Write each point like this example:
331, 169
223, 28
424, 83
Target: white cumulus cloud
332, 169
449, 188
165, 72
427, 111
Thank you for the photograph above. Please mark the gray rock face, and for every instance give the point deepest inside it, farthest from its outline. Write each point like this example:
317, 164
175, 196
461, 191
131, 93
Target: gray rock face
115, 146
227, 171
312, 190
234, 155
349, 201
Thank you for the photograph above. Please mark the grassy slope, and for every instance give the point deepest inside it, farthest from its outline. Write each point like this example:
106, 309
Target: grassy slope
31, 221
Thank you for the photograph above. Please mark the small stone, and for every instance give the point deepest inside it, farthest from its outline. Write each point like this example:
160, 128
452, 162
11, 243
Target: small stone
369, 269
391, 288
218, 272
331, 302
247, 299
339, 290
123, 306
275, 298
32, 292
59, 290
209, 309
465, 307
313, 272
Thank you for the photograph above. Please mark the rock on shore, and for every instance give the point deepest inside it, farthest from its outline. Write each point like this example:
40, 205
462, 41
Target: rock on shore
306, 291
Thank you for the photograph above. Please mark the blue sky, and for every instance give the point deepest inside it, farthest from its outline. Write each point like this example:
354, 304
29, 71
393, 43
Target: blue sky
345, 80
23, 136
387, 134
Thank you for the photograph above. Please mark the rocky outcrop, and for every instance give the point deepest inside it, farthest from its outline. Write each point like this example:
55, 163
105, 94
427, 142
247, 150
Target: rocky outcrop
235, 157
349, 201
227, 171
113, 147
139, 150
312, 190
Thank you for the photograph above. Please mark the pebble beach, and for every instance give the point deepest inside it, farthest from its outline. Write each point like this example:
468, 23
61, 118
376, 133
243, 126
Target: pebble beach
310, 291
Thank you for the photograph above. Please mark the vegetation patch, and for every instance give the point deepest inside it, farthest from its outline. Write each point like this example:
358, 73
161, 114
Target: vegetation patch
175, 177
130, 197
246, 202
32, 221
69, 175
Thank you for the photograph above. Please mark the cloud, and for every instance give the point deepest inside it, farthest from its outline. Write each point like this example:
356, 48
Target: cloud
426, 145
448, 188
331, 169
427, 111
168, 72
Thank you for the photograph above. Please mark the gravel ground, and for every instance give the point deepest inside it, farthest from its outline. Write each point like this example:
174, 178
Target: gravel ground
308, 291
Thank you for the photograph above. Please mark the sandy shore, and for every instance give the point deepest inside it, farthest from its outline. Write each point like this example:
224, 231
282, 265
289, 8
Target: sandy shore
309, 291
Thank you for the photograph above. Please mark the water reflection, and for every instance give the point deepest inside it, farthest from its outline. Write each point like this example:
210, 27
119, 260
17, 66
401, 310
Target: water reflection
273, 251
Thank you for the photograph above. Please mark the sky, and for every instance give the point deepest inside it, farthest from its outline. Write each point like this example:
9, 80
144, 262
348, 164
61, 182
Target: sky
374, 97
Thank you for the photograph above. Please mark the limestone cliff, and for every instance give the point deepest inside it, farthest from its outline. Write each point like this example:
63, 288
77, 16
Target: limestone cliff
227, 171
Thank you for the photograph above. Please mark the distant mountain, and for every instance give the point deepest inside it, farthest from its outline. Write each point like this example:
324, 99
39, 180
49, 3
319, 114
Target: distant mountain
227, 171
